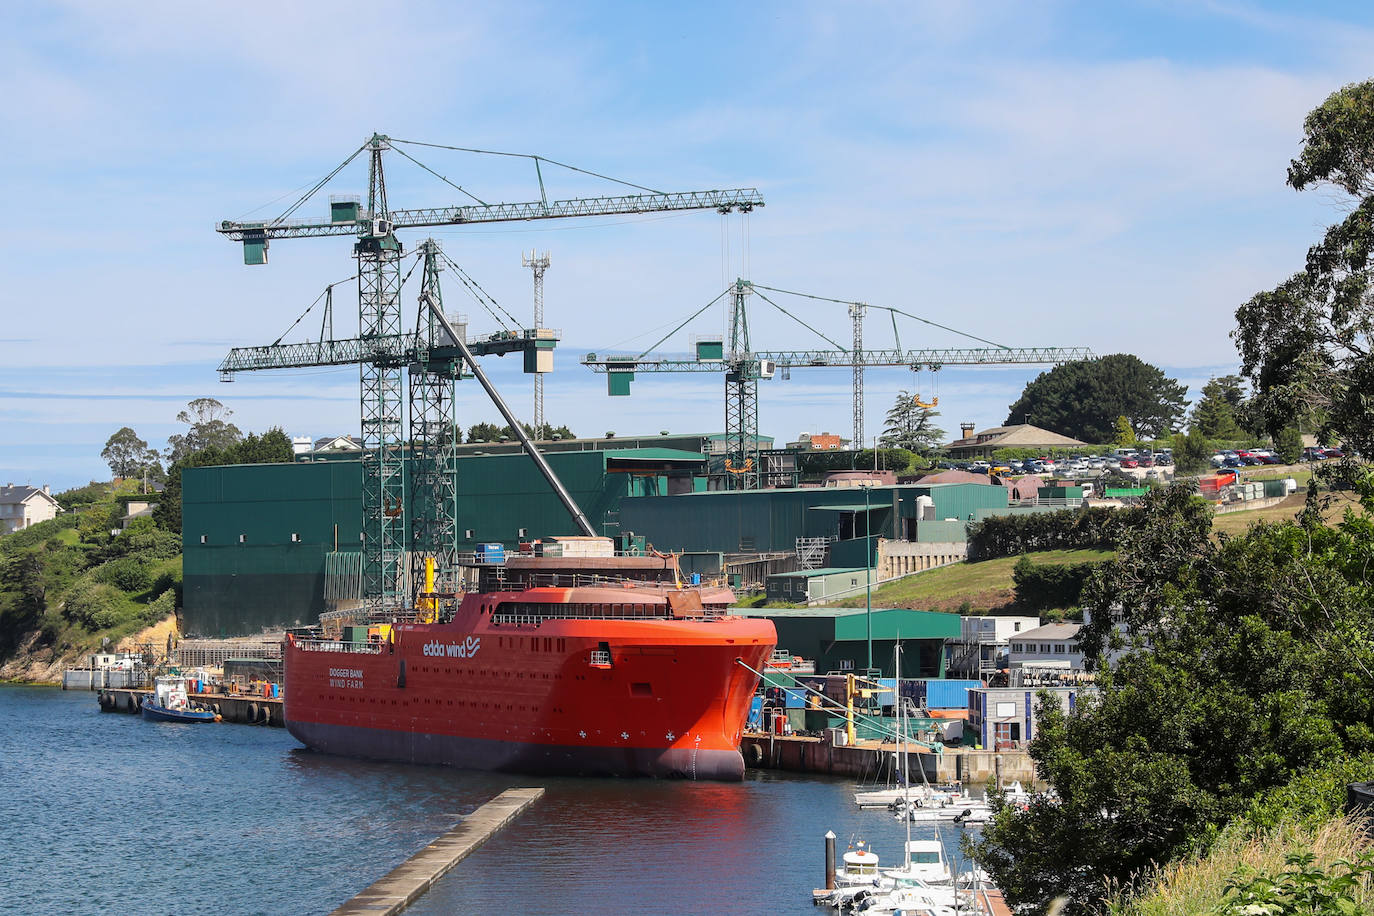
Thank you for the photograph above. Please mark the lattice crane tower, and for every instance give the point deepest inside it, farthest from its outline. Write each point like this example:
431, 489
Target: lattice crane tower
856, 312
538, 264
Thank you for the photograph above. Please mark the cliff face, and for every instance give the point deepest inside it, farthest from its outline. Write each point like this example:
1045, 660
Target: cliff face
32, 663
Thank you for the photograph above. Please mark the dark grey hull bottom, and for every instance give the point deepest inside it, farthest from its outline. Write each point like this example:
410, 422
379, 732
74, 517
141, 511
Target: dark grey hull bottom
512, 757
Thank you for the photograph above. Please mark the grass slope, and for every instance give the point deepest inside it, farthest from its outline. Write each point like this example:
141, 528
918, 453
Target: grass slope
1197, 886
986, 586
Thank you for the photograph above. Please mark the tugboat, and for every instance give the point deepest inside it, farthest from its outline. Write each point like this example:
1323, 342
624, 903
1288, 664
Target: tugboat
170, 703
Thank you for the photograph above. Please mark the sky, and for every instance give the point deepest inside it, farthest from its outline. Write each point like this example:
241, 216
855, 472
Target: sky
1095, 175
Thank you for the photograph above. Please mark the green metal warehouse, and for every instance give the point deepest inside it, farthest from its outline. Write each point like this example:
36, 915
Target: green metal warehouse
838, 638
768, 521
258, 539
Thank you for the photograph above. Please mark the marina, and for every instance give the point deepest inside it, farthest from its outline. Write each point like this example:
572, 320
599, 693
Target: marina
256, 811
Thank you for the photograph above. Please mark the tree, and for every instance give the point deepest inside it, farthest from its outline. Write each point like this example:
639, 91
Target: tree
1192, 452
125, 453
1288, 445
484, 432
910, 426
1123, 435
1083, 399
1216, 413
1305, 345
1240, 673
209, 428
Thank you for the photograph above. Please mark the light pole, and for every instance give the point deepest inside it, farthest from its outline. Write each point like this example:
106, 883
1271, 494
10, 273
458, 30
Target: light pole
868, 575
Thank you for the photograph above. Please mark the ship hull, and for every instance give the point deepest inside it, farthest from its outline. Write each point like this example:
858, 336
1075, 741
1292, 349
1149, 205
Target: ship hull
654, 698
512, 757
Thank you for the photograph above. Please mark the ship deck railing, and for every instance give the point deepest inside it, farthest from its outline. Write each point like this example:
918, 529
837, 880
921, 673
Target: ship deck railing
656, 612
522, 579
338, 645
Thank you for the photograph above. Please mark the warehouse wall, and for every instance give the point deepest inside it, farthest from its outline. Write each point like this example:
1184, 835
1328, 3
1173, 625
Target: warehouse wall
249, 573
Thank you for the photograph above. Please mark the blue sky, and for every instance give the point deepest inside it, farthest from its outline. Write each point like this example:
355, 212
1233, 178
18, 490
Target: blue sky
1073, 174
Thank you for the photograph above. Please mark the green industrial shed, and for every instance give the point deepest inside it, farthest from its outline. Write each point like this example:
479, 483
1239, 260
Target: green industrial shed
258, 539
838, 638
768, 521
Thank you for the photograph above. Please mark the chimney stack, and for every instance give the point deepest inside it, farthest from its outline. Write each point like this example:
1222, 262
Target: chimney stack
46, 491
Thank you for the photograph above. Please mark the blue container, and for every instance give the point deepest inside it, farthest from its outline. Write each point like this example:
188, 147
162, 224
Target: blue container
948, 694
490, 553
276, 690
796, 699
696, 578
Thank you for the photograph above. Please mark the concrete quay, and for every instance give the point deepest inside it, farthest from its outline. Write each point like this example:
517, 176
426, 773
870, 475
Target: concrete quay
409, 880
238, 708
873, 759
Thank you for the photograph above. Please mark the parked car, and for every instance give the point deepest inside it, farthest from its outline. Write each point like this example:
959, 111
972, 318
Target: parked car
1146, 461
1097, 463
1333, 453
1128, 462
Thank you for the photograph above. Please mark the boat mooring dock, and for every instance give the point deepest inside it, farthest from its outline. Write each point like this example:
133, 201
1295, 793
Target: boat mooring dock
239, 708
409, 880
874, 759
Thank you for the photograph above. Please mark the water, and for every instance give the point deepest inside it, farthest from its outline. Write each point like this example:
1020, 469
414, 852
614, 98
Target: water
104, 812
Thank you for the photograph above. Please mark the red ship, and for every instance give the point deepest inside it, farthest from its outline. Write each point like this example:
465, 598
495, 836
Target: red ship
595, 666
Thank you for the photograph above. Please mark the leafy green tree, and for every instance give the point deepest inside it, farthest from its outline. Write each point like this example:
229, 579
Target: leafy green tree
1192, 451
1305, 345
1215, 413
1288, 445
209, 428
484, 432
1245, 667
125, 453
1123, 434
911, 426
1083, 399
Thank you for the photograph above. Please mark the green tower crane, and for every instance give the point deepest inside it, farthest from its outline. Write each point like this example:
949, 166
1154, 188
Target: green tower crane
382, 350
744, 368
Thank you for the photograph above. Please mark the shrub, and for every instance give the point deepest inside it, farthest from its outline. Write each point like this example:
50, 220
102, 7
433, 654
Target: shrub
159, 609
93, 605
1047, 586
1070, 529
129, 574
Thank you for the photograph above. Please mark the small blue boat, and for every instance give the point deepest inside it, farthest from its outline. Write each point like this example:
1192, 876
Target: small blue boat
169, 703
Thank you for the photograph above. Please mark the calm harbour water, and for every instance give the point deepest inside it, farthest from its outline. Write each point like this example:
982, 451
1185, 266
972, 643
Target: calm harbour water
107, 813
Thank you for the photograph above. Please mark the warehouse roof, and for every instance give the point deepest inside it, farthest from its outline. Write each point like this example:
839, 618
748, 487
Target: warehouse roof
654, 454
851, 623
823, 571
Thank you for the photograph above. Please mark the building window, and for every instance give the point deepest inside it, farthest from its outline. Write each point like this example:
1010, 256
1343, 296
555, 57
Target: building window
1045, 647
1016, 647
1016, 626
846, 664
1059, 648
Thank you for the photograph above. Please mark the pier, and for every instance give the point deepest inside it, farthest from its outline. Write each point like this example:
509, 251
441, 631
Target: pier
409, 880
870, 759
239, 708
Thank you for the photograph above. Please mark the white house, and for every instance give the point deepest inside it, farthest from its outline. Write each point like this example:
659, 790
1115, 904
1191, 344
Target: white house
1055, 645
21, 507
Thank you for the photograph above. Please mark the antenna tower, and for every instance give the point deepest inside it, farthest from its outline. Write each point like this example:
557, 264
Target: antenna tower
538, 264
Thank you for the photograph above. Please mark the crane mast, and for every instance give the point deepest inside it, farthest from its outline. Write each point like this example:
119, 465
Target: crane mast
538, 264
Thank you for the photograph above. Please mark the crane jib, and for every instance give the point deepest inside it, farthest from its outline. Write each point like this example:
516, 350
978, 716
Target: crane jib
742, 199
